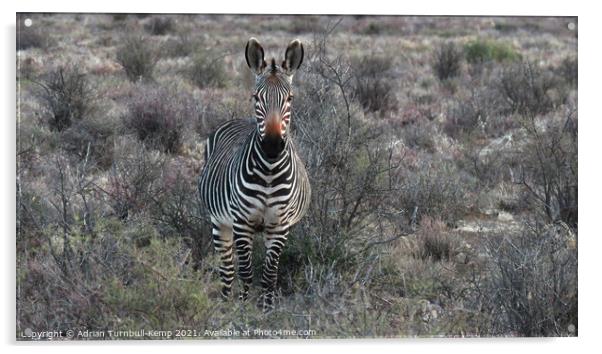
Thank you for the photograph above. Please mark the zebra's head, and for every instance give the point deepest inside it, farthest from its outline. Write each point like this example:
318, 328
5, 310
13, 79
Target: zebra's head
273, 93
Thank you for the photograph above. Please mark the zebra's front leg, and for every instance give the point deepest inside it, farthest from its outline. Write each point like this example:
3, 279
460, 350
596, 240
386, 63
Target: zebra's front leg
222, 242
274, 244
243, 240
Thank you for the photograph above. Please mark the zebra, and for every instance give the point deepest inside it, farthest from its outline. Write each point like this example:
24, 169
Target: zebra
253, 179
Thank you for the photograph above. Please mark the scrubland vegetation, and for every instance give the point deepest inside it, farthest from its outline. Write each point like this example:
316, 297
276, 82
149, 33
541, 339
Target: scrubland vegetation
442, 154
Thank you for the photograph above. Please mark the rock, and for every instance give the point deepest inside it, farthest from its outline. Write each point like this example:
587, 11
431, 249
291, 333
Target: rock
504, 216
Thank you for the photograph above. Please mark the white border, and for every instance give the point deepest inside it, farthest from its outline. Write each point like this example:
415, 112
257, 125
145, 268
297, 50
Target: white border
589, 243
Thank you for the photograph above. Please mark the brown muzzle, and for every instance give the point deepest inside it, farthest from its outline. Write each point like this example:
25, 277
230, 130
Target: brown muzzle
273, 125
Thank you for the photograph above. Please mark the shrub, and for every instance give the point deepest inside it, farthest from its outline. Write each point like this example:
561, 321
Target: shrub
463, 117
137, 59
67, 96
479, 110
434, 187
420, 135
373, 85
446, 61
532, 287
182, 46
349, 174
481, 51
435, 243
90, 139
548, 163
568, 71
159, 116
160, 25
373, 29
207, 72
110, 282
27, 69
177, 211
134, 180
527, 89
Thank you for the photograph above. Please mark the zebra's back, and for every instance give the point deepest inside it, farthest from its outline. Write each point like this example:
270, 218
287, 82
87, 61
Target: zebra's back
229, 135
221, 148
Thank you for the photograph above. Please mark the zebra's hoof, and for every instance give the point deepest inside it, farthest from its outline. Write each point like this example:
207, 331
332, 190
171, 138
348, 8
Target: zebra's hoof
225, 294
268, 303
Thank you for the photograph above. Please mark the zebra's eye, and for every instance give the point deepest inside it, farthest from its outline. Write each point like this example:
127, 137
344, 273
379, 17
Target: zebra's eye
255, 97
289, 98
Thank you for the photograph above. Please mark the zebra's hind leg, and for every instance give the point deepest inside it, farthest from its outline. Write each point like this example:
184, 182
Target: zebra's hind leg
274, 244
243, 241
222, 242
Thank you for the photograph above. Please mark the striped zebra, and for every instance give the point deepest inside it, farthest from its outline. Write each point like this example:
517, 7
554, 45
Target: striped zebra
253, 179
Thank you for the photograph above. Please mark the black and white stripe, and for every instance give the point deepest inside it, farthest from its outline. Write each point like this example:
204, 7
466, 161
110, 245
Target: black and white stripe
253, 178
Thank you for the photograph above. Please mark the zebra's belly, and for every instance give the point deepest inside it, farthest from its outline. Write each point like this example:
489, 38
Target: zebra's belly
267, 215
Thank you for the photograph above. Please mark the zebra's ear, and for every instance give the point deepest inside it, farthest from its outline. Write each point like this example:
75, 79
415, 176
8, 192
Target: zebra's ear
293, 57
254, 56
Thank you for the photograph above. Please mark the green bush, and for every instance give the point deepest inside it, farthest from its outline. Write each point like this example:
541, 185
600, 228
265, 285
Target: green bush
480, 51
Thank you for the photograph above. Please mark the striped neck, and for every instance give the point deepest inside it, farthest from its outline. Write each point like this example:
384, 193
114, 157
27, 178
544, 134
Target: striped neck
270, 154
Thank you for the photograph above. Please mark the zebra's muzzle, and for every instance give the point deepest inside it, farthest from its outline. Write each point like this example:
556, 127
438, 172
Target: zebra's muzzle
272, 145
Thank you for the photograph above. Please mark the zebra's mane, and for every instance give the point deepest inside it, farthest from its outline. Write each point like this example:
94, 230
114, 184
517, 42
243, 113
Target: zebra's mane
273, 68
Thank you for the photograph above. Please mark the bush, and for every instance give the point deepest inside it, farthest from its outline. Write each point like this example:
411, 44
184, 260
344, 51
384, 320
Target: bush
463, 118
480, 110
177, 211
349, 175
134, 181
435, 243
548, 163
568, 71
67, 96
481, 51
420, 135
434, 187
532, 289
182, 46
373, 85
137, 59
159, 117
207, 72
90, 139
446, 61
527, 89
159, 26
110, 282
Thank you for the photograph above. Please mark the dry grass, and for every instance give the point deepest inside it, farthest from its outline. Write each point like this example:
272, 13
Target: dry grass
405, 236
